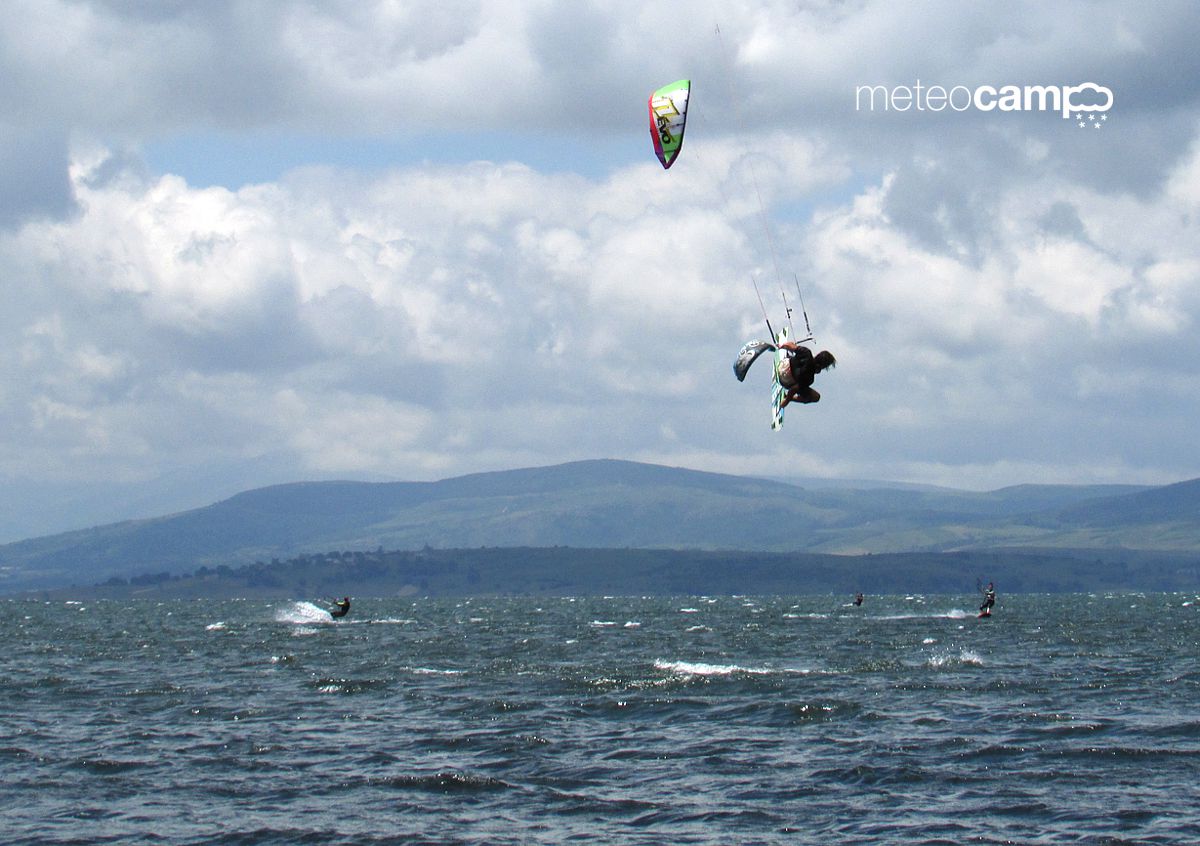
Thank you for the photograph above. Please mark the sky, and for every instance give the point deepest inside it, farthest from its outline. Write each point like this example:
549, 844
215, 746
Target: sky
244, 243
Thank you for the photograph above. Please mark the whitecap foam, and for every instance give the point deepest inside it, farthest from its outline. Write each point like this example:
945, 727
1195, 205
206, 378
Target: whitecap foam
695, 668
952, 614
965, 658
302, 613
216, 627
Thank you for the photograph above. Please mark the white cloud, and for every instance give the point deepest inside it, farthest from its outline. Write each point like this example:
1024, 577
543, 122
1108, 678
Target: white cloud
990, 286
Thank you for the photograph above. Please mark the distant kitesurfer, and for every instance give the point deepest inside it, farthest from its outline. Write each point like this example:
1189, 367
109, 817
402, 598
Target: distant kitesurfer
797, 372
341, 608
858, 599
989, 599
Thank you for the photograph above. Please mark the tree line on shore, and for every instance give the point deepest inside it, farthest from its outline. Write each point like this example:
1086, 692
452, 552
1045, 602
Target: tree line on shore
575, 571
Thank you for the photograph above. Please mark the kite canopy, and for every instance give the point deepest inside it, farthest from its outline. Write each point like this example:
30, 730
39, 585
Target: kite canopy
668, 114
747, 356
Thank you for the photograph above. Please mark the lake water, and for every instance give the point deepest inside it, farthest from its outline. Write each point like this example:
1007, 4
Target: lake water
724, 720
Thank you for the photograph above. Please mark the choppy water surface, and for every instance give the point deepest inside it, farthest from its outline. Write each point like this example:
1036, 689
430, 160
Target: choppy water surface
673, 721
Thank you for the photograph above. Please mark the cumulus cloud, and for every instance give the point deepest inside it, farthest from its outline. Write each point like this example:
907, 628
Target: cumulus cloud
992, 284
1057, 328
447, 296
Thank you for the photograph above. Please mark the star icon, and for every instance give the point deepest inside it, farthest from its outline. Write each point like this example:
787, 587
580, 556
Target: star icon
1096, 124
1104, 117
1082, 124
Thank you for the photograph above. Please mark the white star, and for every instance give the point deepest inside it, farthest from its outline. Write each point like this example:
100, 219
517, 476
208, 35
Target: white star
1082, 124
1096, 124
1079, 116
1103, 117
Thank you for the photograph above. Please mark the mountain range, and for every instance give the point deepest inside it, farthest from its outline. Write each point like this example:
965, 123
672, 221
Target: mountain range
609, 504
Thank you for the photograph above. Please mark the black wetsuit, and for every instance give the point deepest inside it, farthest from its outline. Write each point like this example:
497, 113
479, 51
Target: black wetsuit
342, 609
989, 599
801, 369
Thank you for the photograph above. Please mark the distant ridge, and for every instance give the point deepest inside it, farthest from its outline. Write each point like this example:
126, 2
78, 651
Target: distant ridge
613, 504
1167, 503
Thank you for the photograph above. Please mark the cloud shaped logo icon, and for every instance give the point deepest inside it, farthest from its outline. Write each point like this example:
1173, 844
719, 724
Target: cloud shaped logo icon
1070, 91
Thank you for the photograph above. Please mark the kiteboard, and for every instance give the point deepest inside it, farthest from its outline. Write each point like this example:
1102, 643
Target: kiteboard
777, 390
984, 614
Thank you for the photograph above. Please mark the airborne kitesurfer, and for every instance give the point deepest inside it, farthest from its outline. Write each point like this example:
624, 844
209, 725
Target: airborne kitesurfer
797, 372
341, 608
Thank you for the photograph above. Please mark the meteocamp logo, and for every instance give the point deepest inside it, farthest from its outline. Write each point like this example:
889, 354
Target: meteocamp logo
1087, 103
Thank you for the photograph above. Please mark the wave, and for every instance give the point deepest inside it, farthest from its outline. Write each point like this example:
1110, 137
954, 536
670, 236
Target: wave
688, 668
443, 782
698, 668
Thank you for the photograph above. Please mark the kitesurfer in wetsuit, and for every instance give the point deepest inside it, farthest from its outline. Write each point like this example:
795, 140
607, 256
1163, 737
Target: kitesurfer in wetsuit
989, 599
858, 599
340, 609
797, 371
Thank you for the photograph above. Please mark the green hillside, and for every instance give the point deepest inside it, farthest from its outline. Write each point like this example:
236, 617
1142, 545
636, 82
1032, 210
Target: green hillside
608, 504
